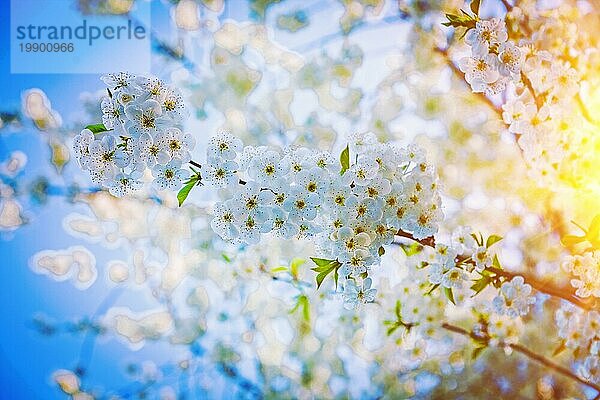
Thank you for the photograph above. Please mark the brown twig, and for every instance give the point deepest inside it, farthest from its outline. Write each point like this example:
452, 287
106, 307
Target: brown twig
507, 5
529, 354
566, 293
428, 241
458, 73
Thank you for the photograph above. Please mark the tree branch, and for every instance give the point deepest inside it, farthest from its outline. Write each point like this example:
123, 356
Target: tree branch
457, 72
507, 5
528, 353
566, 293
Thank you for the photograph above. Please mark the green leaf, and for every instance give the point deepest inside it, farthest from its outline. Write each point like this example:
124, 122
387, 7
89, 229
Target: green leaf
226, 257
433, 288
560, 348
336, 276
185, 191
475, 6
324, 269
492, 240
413, 249
381, 251
593, 233
477, 352
392, 329
481, 284
345, 160
594, 229
276, 270
321, 262
496, 262
305, 308
97, 128
294, 266
321, 277
449, 295
304, 304
398, 309
464, 20
571, 240
477, 239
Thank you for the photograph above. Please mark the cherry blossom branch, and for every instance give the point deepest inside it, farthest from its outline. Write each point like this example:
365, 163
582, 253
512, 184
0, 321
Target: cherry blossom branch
538, 100
507, 5
195, 164
565, 293
527, 353
457, 72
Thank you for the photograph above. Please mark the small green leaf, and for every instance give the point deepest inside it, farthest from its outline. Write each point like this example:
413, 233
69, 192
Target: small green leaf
464, 20
412, 249
449, 294
475, 6
593, 233
477, 352
304, 304
325, 269
492, 240
321, 261
320, 277
480, 284
496, 262
392, 329
345, 160
185, 191
97, 128
305, 308
398, 309
226, 257
594, 229
560, 348
381, 251
336, 276
477, 239
433, 288
571, 240
295, 265
276, 270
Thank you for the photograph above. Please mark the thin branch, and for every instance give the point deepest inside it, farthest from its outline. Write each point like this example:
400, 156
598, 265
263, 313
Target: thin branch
457, 72
529, 354
195, 164
539, 101
565, 293
507, 5
428, 241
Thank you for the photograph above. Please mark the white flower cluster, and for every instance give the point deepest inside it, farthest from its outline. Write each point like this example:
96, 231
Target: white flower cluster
514, 298
300, 193
494, 60
586, 270
443, 267
546, 85
142, 119
580, 332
